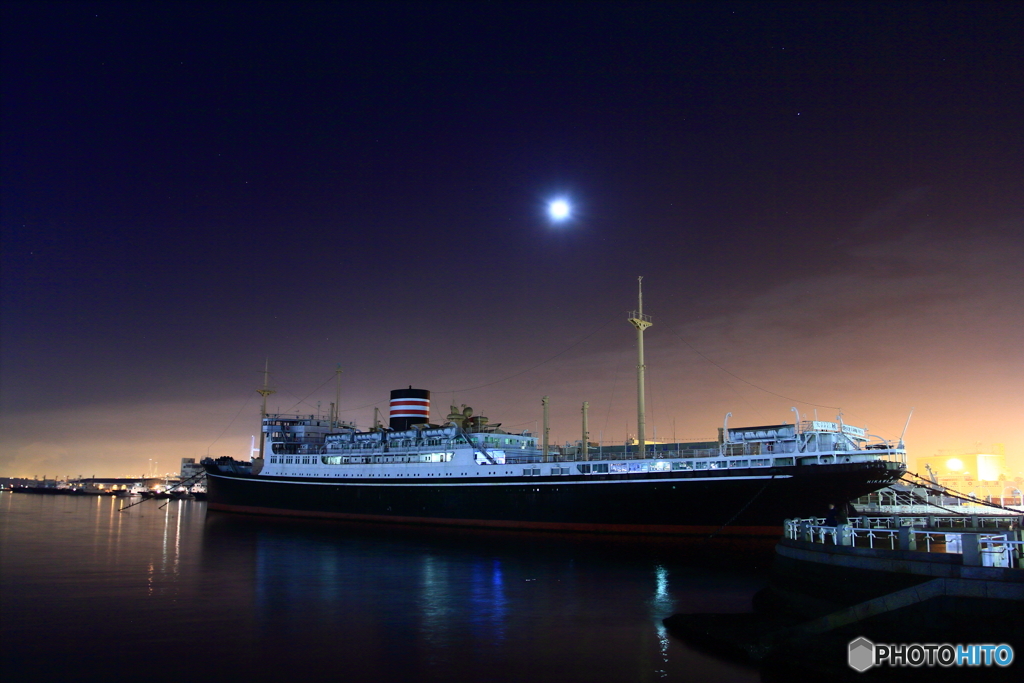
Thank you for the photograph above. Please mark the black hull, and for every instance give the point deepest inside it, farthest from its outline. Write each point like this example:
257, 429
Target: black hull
736, 502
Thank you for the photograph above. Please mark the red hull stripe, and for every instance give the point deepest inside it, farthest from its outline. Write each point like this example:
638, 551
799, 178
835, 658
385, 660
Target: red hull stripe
645, 529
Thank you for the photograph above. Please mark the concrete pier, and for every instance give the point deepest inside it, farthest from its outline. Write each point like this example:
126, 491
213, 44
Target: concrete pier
891, 580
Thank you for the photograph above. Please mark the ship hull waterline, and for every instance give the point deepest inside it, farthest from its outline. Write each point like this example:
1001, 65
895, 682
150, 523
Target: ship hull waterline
737, 503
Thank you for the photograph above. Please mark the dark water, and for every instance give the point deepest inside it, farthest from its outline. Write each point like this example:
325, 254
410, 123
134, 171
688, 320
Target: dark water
90, 593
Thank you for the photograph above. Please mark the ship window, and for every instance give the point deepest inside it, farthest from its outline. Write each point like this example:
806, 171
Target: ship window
273, 460
583, 469
601, 468
685, 465
700, 465
737, 463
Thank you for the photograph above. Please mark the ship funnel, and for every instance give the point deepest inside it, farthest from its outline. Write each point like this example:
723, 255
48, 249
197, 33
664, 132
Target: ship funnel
409, 407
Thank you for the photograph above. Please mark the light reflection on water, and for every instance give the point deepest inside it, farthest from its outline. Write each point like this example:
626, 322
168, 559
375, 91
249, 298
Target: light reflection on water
375, 603
661, 604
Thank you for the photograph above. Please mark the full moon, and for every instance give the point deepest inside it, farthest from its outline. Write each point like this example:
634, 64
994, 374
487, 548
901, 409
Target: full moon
559, 210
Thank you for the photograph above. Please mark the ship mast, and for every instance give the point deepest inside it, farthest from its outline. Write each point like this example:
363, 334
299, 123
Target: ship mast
586, 432
264, 392
641, 322
337, 400
544, 455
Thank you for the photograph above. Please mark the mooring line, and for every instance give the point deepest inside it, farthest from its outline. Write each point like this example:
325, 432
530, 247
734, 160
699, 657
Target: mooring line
180, 484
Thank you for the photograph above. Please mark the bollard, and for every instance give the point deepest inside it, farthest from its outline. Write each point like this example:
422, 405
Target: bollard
971, 550
908, 540
845, 535
805, 531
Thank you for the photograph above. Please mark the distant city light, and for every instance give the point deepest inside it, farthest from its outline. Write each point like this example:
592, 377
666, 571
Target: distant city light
559, 210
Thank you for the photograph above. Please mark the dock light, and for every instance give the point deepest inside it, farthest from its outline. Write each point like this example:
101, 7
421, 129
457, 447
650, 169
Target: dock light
559, 210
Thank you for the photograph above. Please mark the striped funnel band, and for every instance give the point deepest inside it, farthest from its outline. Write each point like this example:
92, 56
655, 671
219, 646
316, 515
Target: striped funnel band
410, 407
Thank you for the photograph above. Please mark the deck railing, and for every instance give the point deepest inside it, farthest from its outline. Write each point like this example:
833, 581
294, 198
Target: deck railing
996, 548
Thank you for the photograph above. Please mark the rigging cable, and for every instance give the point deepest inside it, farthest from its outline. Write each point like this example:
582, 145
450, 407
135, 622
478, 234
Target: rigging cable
523, 372
230, 423
503, 379
808, 403
611, 399
300, 401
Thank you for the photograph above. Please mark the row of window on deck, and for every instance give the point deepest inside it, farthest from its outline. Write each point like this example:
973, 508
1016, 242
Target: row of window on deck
582, 468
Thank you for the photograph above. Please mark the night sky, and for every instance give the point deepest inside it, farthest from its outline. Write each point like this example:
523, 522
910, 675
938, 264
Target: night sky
826, 201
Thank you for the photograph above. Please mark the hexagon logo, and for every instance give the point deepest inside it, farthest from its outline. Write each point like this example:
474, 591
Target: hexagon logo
862, 654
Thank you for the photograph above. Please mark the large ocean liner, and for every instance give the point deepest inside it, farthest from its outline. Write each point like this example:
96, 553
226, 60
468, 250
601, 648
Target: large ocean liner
465, 471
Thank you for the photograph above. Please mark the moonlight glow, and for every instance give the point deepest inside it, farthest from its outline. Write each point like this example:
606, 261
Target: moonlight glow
559, 210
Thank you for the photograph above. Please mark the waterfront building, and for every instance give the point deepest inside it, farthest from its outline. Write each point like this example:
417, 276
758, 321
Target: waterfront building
981, 475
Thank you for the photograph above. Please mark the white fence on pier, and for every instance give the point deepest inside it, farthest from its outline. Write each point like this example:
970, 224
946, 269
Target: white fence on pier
995, 548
